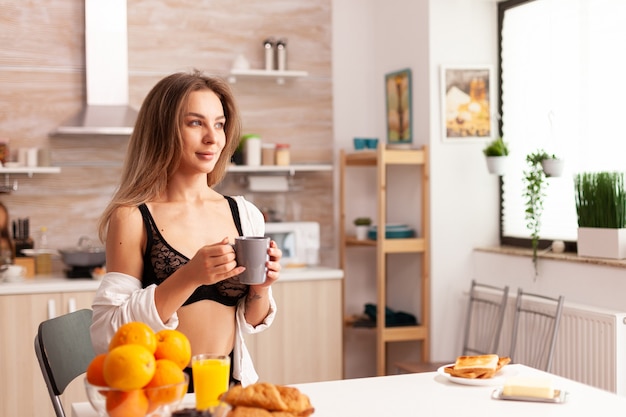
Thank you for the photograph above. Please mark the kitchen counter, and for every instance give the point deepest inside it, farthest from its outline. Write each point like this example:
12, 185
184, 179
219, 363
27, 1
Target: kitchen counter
58, 283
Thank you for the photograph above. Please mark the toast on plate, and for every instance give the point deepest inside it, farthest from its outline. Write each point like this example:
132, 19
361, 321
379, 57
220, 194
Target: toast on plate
477, 366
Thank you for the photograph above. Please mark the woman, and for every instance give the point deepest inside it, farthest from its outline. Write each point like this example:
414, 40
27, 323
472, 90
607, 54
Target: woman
167, 232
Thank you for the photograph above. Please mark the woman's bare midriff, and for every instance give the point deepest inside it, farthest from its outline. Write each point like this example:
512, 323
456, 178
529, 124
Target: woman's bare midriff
209, 326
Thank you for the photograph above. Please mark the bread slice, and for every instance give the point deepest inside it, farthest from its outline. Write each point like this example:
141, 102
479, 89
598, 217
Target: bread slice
474, 362
479, 366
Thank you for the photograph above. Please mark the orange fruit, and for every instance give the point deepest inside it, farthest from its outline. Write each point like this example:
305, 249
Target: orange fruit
127, 403
128, 367
95, 372
159, 390
136, 333
173, 345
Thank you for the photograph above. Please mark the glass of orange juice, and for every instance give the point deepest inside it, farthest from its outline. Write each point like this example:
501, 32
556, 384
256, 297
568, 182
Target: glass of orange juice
211, 374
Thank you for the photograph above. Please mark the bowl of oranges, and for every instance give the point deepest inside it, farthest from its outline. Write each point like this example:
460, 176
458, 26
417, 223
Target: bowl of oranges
141, 374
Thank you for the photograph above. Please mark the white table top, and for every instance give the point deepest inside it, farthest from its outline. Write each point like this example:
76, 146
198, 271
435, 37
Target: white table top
430, 394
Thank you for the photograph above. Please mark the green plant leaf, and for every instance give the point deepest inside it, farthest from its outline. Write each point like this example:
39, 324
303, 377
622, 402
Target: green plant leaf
496, 147
600, 199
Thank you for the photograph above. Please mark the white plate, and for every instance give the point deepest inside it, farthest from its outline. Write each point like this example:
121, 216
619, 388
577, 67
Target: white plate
498, 379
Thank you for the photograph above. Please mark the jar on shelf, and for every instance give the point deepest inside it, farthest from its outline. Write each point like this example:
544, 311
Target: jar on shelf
268, 154
283, 156
252, 150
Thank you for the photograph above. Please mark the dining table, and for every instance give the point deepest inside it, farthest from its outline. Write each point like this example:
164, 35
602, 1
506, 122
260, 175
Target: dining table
439, 394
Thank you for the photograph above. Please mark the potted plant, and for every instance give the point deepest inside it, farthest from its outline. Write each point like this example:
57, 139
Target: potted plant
551, 165
534, 193
601, 210
496, 153
362, 225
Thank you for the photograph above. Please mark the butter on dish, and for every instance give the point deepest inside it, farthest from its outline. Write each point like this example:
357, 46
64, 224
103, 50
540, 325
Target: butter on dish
529, 389
520, 386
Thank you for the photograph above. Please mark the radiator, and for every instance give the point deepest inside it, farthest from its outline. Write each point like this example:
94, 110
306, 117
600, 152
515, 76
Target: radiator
590, 347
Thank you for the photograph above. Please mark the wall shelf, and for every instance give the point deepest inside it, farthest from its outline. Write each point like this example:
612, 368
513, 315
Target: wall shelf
279, 76
279, 169
29, 170
7, 187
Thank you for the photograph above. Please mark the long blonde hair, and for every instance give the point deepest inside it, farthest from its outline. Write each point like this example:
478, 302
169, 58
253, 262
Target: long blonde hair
155, 146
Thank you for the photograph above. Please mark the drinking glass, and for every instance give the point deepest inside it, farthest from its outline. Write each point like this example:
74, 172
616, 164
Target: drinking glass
211, 374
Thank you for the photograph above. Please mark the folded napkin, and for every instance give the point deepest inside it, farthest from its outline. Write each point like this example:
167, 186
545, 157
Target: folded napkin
392, 318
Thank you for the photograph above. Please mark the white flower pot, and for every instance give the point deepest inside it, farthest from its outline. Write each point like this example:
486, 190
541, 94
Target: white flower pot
552, 167
496, 164
361, 232
602, 243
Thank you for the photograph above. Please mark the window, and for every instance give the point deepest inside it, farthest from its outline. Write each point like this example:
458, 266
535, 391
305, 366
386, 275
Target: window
562, 89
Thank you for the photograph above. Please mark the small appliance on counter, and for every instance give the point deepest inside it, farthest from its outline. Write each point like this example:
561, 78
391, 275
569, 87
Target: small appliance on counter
299, 242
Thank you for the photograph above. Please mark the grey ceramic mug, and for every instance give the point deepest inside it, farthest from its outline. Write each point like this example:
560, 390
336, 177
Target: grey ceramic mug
251, 252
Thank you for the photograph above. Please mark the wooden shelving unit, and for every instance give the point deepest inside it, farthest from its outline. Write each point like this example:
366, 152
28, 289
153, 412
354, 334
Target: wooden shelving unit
380, 160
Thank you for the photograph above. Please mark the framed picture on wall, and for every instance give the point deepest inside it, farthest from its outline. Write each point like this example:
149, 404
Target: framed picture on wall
398, 96
467, 103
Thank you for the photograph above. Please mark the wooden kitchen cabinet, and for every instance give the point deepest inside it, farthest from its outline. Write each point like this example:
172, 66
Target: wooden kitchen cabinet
23, 391
304, 344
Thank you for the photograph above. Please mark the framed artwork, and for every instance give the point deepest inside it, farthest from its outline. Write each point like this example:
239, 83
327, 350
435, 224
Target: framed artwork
467, 103
398, 95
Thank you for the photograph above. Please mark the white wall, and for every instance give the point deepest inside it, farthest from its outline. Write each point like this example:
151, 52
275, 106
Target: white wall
465, 197
580, 283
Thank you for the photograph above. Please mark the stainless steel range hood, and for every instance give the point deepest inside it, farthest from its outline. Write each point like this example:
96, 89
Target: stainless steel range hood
106, 111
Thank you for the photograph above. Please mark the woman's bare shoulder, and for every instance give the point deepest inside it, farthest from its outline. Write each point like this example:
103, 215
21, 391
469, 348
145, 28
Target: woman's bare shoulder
126, 220
125, 213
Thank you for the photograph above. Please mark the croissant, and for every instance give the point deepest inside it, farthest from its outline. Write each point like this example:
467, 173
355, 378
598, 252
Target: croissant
267, 400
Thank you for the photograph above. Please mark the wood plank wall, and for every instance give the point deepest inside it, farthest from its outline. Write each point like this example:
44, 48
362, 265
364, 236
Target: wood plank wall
42, 74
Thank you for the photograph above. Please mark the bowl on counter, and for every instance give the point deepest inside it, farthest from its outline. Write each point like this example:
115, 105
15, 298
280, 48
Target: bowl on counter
158, 401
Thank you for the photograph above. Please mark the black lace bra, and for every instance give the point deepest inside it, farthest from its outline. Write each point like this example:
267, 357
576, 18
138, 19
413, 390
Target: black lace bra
161, 260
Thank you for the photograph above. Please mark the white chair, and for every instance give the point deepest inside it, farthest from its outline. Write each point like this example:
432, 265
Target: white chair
64, 351
483, 325
535, 329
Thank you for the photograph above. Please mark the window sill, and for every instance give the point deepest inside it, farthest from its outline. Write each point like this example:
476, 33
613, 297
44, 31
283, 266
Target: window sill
544, 254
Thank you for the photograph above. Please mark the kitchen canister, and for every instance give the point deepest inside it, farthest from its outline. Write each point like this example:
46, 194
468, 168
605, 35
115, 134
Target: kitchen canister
268, 154
268, 46
252, 150
281, 55
32, 157
283, 155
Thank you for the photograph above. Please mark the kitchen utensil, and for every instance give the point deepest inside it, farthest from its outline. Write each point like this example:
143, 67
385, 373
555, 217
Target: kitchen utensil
85, 254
